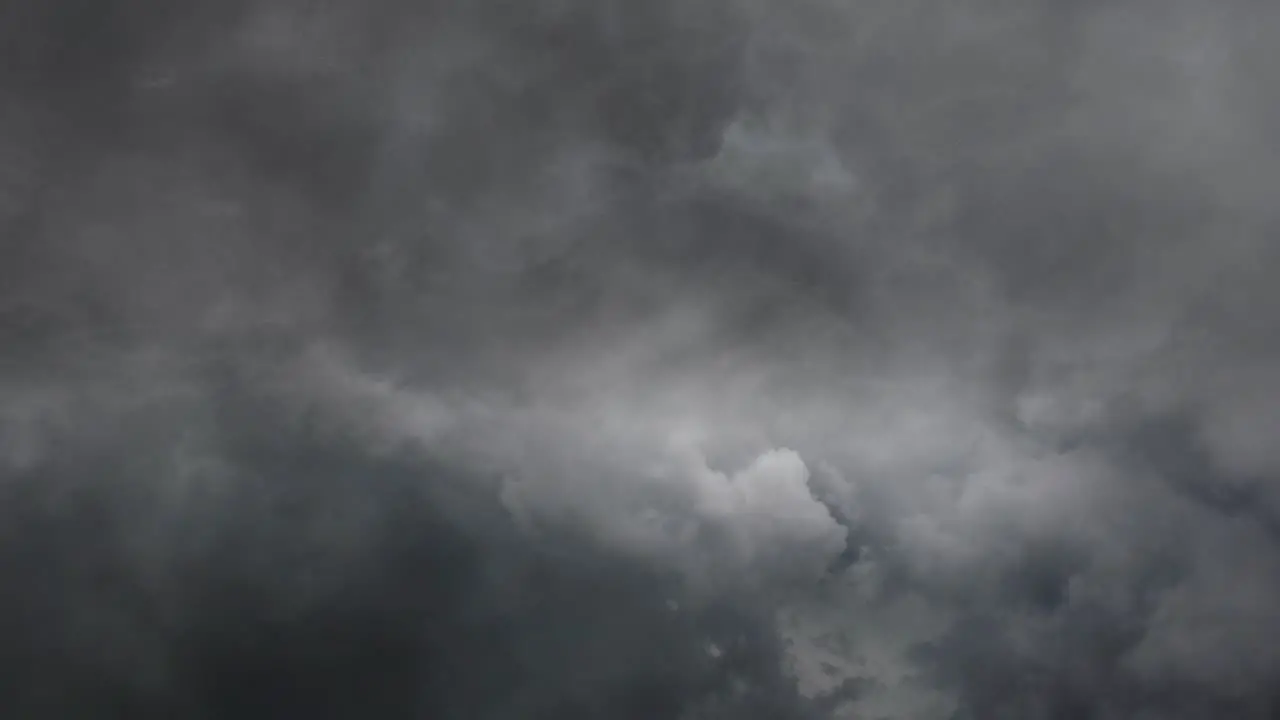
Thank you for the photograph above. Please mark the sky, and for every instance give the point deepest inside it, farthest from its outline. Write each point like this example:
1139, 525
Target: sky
664, 360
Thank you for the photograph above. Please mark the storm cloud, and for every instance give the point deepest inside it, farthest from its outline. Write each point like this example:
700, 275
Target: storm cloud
614, 359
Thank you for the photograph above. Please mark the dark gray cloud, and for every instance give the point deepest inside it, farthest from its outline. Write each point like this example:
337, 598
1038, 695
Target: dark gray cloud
709, 359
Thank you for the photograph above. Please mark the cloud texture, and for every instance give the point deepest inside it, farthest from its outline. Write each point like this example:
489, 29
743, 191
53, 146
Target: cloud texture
609, 359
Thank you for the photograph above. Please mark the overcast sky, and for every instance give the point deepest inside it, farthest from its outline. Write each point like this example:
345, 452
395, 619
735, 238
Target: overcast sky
640, 360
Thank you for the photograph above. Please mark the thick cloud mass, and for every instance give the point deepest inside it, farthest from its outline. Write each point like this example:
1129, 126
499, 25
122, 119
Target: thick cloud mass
696, 359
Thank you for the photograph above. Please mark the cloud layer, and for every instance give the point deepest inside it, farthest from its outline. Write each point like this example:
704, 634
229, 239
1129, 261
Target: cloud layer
704, 359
